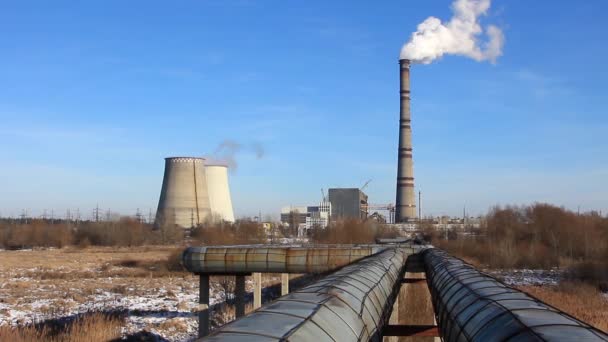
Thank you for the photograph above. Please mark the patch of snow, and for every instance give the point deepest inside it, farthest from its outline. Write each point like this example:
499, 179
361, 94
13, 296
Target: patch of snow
519, 277
168, 310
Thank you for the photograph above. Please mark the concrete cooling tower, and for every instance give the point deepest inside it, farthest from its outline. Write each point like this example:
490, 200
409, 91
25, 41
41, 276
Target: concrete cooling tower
219, 193
184, 198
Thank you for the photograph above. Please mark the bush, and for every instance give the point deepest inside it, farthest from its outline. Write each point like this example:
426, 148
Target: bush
593, 272
352, 232
536, 236
124, 232
239, 233
174, 261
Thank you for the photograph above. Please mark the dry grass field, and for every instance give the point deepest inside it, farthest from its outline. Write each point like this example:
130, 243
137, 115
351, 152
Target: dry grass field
101, 293
582, 301
139, 289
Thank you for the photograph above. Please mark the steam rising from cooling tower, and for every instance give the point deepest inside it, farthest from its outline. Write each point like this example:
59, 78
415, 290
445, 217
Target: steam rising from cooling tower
228, 149
461, 35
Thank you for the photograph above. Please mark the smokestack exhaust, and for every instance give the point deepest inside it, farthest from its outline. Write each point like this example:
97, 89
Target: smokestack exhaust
405, 207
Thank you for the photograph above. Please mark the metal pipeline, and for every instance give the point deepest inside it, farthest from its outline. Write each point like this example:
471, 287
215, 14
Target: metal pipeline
472, 306
274, 259
352, 304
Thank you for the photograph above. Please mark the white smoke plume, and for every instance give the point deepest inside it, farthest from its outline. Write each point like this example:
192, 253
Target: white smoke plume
227, 150
461, 35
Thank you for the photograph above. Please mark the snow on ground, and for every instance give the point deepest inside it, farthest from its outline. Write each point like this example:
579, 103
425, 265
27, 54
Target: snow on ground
164, 306
41, 285
520, 277
147, 308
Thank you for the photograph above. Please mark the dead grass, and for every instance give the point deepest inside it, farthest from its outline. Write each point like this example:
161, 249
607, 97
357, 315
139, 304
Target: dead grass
92, 327
580, 300
69, 280
52, 273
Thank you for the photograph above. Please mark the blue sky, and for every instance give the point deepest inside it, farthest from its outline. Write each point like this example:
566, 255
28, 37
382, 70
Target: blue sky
96, 94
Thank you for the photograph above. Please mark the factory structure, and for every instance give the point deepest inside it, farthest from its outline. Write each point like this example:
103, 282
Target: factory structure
306, 217
352, 203
340, 204
193, 193
348, 203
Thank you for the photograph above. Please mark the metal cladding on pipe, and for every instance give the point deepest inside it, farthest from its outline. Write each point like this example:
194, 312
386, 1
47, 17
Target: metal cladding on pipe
273, 259
219, 193
472, 306
405, 204
352, 304
184, 200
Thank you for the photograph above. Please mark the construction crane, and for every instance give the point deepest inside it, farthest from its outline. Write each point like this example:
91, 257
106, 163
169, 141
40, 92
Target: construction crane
365, 185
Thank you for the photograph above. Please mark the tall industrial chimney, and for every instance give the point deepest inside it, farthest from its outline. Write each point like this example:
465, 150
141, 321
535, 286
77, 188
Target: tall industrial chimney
184, 200
219, 193
405, 207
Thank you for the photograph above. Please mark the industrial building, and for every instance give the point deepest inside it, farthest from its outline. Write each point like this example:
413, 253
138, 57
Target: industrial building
193, 193
348, 203
307, 217
294, 215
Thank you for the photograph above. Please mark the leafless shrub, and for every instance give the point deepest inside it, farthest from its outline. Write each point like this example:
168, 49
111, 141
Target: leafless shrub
352, 231
593, 272
124, 232
537, 236
244, 232
174, 261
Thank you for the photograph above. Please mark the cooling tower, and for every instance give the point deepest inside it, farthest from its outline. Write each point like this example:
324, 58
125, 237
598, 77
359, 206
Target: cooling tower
184, 199
405, 206
219, 193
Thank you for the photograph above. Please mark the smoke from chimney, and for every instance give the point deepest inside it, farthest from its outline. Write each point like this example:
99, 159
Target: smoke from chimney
227, 150
461, 35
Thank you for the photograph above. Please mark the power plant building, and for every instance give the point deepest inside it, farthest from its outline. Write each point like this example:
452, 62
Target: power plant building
307, 217
184, 197
193, 193
348, 203
219, 193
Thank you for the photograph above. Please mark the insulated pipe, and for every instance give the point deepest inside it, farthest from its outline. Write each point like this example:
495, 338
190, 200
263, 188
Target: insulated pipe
273, 259
472, 306
352, 304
